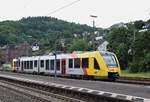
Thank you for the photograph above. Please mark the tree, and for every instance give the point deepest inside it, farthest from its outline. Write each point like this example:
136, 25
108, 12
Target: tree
79, 45
42, 30
119, 42
142, 53
139, 24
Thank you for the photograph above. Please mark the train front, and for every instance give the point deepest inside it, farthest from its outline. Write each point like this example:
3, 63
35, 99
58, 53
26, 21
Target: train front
112, 64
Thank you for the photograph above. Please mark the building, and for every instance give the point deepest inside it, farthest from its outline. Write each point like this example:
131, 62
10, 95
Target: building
15, 51
35, 47
103, 46
118, 25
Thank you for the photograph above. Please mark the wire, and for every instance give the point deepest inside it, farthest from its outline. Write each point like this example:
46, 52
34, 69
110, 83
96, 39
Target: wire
63, 7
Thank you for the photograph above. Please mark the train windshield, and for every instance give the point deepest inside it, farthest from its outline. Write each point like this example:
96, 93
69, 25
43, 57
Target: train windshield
109, 60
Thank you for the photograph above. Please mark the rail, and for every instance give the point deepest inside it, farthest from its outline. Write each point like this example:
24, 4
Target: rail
67, 92
134, 80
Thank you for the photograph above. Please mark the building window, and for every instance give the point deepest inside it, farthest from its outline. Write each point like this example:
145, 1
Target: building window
52, 64
58, 64
85, 62
42, 64
76, 63
35, 63
96, 65
47, 64
70, 63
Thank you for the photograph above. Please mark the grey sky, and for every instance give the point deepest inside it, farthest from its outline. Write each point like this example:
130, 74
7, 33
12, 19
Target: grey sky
108, 11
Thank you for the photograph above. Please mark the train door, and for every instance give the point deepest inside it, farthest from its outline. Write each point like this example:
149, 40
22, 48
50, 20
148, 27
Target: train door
63, 66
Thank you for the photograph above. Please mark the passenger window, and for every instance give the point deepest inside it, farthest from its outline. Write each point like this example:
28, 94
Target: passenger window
52, 64
85, 62
35, 63
96, 65
47, 64
18, 63
76, 63
31, 64
58, 64
28, 65
22, 65
25, 64
15, 64
70, 63
42, 64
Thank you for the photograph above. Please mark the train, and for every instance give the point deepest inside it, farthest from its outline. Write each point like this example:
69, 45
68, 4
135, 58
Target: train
93, 65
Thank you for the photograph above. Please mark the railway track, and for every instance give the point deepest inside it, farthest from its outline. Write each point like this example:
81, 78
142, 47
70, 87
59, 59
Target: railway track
36, 93
51, 92
127, 80
134, 80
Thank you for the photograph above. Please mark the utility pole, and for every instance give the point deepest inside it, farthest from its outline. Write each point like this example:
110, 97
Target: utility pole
93, 37
55, 54
134, 38
134, 43
55, 61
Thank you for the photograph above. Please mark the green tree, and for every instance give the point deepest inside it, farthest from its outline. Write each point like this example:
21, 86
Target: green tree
139, 24
119, 42
79, 45
141, 61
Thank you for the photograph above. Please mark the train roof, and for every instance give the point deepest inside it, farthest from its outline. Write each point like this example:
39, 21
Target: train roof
67, 55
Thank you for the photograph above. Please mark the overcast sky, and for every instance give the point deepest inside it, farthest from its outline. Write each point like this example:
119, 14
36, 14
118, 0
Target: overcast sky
108, 11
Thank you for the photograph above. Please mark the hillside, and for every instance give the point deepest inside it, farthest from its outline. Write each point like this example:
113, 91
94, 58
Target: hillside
41, 30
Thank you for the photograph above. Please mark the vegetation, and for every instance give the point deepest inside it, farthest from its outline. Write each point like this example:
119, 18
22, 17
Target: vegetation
41, 30
79, 45
126, 73
133, 51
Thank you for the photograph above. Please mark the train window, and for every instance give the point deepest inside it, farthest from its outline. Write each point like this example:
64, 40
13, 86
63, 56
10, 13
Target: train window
85, 62
96, 65
42, 63
22, 65
31, 64
52, 64
18, 63
47, 64
27, 64
35, 63
58, 64
14, 64
77, 63
70, 63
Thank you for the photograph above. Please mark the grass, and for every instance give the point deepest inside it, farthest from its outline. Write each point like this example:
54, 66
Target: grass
128, 74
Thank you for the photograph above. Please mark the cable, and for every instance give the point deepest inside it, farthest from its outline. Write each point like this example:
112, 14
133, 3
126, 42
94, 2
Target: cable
63, 7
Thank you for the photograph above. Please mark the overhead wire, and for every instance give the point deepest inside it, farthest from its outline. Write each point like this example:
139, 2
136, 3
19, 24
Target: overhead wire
65, 6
